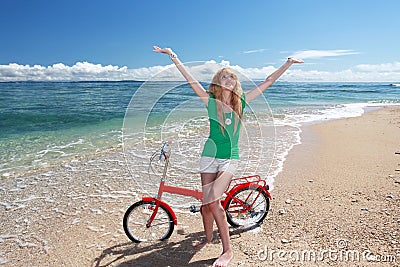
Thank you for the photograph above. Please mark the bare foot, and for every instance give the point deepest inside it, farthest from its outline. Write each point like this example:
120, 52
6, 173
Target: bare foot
202, 244
224, 259
295, 60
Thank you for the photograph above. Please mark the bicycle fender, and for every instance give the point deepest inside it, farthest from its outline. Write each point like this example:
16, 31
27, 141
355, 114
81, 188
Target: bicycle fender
165, 205
262, 188
268, 194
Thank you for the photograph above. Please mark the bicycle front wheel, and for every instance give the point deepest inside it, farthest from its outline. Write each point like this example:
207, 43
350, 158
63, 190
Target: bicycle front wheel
137, 216
247, 206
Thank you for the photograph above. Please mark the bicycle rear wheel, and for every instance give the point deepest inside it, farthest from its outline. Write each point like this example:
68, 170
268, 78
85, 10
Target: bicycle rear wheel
137, 216
248, 206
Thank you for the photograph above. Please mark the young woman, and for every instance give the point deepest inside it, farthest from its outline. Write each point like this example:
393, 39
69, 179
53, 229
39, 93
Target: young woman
225, 102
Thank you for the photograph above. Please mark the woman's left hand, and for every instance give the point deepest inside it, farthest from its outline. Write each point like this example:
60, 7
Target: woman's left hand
295, 60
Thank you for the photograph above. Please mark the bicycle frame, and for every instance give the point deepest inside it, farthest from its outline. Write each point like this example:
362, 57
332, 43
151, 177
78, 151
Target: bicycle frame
235, 185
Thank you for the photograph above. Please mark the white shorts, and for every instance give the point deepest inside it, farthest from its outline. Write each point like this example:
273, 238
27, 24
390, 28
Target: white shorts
214, 165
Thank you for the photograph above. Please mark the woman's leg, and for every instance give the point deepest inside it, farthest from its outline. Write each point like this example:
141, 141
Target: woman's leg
213, 185
207, 216
220, 218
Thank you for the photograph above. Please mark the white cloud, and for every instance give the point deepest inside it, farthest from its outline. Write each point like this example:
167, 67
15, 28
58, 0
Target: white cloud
322, 53
254, 51
60, 72
203, 71
395, 66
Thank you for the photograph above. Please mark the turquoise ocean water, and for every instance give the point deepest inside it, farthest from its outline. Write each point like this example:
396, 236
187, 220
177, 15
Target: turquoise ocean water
44, 123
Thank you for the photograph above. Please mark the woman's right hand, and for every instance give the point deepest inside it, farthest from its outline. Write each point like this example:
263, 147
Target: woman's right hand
162, 50
196, 86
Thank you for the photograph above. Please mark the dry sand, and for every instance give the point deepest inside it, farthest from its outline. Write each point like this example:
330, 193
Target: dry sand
337, 198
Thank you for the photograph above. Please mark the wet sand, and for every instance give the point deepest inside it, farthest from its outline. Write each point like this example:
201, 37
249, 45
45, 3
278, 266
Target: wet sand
337, 197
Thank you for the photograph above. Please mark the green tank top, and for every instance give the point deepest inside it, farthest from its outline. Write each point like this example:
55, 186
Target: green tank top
218, 145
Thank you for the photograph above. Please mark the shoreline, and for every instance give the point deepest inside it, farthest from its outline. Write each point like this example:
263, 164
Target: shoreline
338, 187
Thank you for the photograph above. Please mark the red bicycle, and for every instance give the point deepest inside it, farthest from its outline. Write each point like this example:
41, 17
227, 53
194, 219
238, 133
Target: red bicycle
246, 203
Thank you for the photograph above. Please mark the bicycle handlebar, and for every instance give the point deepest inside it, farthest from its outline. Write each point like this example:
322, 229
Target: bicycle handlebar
163, 150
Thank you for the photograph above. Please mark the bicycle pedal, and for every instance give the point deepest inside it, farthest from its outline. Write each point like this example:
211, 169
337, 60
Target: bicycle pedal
194, 209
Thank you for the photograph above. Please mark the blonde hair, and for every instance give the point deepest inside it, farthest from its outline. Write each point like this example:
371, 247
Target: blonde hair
236, 102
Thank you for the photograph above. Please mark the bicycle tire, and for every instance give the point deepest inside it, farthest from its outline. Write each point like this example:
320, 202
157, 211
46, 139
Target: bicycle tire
237, 216
136, 217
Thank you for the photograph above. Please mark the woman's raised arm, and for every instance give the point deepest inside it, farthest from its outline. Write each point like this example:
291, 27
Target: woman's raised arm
196, 86
259, 89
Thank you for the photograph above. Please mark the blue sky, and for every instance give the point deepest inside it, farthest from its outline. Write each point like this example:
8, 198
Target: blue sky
338, 39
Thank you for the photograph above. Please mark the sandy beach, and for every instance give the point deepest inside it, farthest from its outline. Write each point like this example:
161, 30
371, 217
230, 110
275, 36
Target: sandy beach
337, 202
